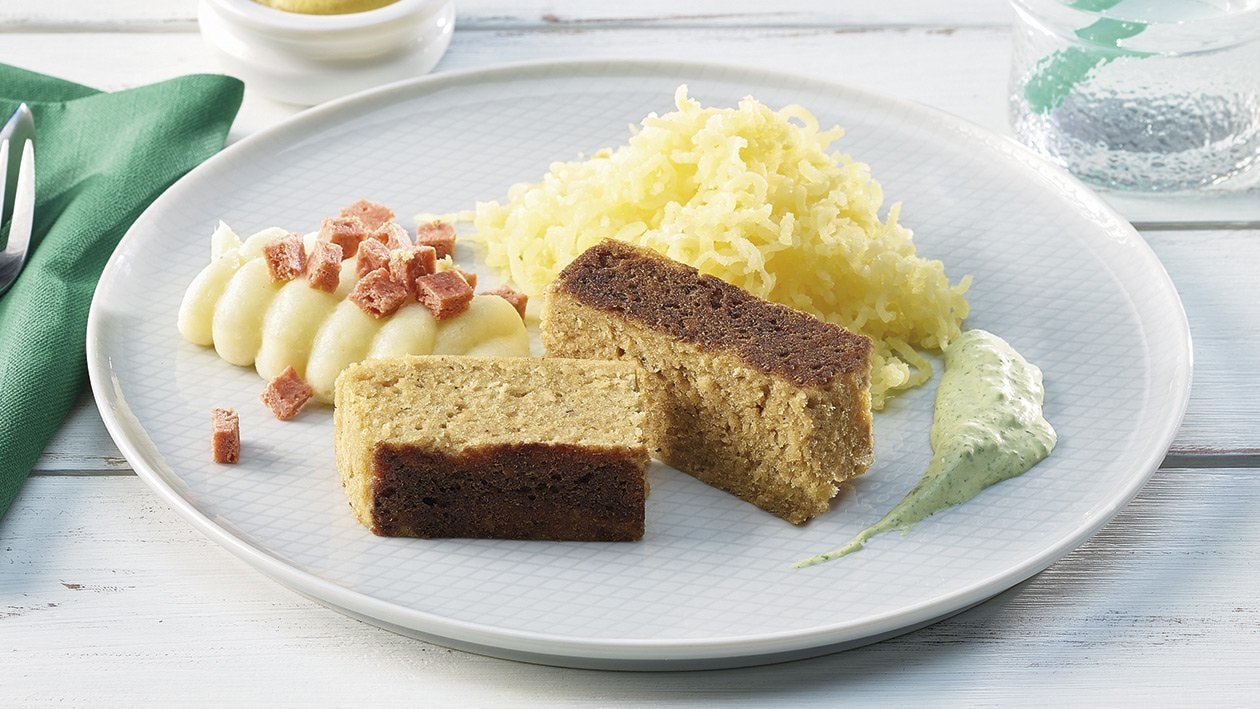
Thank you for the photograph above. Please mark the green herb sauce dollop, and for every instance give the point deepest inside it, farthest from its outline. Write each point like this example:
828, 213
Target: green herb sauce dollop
987, 427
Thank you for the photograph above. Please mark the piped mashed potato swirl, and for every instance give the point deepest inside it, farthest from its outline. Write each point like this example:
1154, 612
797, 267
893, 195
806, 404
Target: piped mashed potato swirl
752, 196
252, 320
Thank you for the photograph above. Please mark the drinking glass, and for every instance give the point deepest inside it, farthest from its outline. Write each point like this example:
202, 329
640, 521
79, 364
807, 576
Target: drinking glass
1149, 95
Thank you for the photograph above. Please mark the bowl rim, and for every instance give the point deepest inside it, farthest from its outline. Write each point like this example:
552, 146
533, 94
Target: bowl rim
259, 17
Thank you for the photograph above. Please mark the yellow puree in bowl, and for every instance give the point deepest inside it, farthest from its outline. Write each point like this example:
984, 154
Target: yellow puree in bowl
987, 427
326, 7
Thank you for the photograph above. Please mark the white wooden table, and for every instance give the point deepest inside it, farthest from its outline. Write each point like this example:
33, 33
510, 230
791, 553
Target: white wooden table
107, 597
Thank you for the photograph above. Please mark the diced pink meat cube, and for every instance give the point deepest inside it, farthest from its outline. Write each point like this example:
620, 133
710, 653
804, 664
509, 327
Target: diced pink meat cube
286, 258
392, 235
439, 235
287, 394
372, 214
371, 256
225, 435
444, 294
345, 232
406, 266
323, 267
378, 295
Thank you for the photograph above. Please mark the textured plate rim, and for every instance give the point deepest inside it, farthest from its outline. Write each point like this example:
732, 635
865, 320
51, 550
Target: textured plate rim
114, 411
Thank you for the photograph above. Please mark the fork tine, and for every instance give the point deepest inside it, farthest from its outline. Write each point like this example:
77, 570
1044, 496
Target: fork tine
21, 220
4, 175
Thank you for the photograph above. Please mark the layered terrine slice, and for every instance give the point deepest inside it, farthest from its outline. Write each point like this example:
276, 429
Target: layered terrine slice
493, 447
750, 396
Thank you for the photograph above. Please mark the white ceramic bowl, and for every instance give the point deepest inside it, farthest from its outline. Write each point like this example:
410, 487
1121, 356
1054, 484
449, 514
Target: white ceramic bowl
308, 59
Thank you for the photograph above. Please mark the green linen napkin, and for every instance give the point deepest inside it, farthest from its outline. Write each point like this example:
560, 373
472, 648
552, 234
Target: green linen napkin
101, 158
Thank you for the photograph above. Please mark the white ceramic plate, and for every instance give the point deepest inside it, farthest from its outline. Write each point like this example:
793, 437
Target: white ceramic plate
1057, 273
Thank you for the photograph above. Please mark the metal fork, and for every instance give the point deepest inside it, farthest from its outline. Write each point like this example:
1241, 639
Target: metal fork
17, 192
